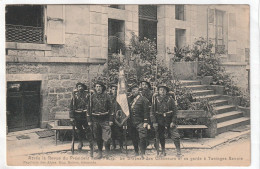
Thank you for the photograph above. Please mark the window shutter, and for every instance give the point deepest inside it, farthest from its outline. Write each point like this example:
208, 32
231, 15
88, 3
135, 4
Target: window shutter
212, 27
148, 12
232, 33
55, 24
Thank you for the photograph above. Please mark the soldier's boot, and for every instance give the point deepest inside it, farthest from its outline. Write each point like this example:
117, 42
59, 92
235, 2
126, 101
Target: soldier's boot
142, 153
142, 148
163, 153
80, 145
178, 147
121, 146
99, 155
147, 143
113, 144
91, 150
136, 150
100, 147
107, 149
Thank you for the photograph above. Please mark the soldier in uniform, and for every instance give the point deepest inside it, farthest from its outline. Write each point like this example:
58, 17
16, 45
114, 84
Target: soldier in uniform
101, 117
78, 112
164, 117
148, 94
139, 117
117, 131
146, 90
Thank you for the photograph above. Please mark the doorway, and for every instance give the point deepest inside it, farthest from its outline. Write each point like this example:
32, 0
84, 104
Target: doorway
23, 105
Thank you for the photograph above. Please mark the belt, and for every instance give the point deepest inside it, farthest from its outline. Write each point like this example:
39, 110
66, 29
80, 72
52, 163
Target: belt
100, 114
164, 114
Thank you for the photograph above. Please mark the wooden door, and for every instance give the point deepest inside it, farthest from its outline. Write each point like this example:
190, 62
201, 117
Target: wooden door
23, 105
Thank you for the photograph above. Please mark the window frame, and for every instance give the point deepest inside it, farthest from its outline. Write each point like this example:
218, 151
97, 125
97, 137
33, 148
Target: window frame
178, 9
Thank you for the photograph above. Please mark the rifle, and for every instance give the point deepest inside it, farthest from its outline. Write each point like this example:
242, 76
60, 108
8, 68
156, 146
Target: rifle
90, 108
156, 139
125, 133
73, 125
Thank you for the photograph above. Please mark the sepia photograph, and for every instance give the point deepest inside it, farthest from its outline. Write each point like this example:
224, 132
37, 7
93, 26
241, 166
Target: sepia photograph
127, 85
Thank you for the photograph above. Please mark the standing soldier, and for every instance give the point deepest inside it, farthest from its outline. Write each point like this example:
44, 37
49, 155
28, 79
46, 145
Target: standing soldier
101, 117
139, 117
117, 131
164, 117
78, 114
148, 94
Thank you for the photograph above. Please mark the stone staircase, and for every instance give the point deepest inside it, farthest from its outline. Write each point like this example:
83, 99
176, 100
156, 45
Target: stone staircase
227, 115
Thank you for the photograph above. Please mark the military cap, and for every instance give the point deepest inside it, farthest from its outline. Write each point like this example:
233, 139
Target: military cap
132, 86
101, 84
82, 84
146, 81
113, 85
164, 86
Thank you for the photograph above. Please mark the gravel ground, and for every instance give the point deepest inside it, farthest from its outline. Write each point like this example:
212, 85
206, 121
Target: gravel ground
233, 153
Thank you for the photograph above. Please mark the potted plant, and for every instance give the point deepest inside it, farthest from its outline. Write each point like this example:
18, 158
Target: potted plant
244, 105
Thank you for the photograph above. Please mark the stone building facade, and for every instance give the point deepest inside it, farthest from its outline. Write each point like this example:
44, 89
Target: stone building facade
65, 44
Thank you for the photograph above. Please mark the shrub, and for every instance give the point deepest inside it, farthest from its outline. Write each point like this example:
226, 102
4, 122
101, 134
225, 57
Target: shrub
200, 49
245, 100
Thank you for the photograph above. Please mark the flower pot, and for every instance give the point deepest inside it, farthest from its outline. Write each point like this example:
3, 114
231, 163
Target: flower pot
217, 89
185, 70
206, 80
211, 131
234, 100
245, 110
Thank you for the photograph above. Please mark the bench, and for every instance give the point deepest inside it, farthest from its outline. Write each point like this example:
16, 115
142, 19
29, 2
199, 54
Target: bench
59, 116
196, 114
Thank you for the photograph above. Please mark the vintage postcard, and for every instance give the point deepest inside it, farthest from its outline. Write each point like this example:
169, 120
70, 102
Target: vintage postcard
128, 85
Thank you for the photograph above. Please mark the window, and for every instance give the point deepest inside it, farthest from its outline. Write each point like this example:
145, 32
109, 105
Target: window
117, 6
180, 12
24, 23
180, 38
220, 46
116, 36
147, 29
148, 22
30, 23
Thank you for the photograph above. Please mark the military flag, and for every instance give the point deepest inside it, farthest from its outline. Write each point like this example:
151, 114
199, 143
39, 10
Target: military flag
123, 113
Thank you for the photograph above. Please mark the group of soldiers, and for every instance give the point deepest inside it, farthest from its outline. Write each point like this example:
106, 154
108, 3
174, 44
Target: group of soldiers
95, 116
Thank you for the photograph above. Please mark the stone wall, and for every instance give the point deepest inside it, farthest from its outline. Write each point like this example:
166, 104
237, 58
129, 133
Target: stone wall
185, 70
60, 67
56, 92
238, 73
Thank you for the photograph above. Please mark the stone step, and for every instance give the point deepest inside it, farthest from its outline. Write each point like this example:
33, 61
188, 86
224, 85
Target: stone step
228, 116
197, 87
189, 82
224, 109
209, 97
202, 92
230, 124
219, 102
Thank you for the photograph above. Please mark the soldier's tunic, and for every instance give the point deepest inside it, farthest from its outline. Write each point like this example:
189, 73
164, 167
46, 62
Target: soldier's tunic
139, 114
78, 111
100, 114
148, 94
117, 131
165, 112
